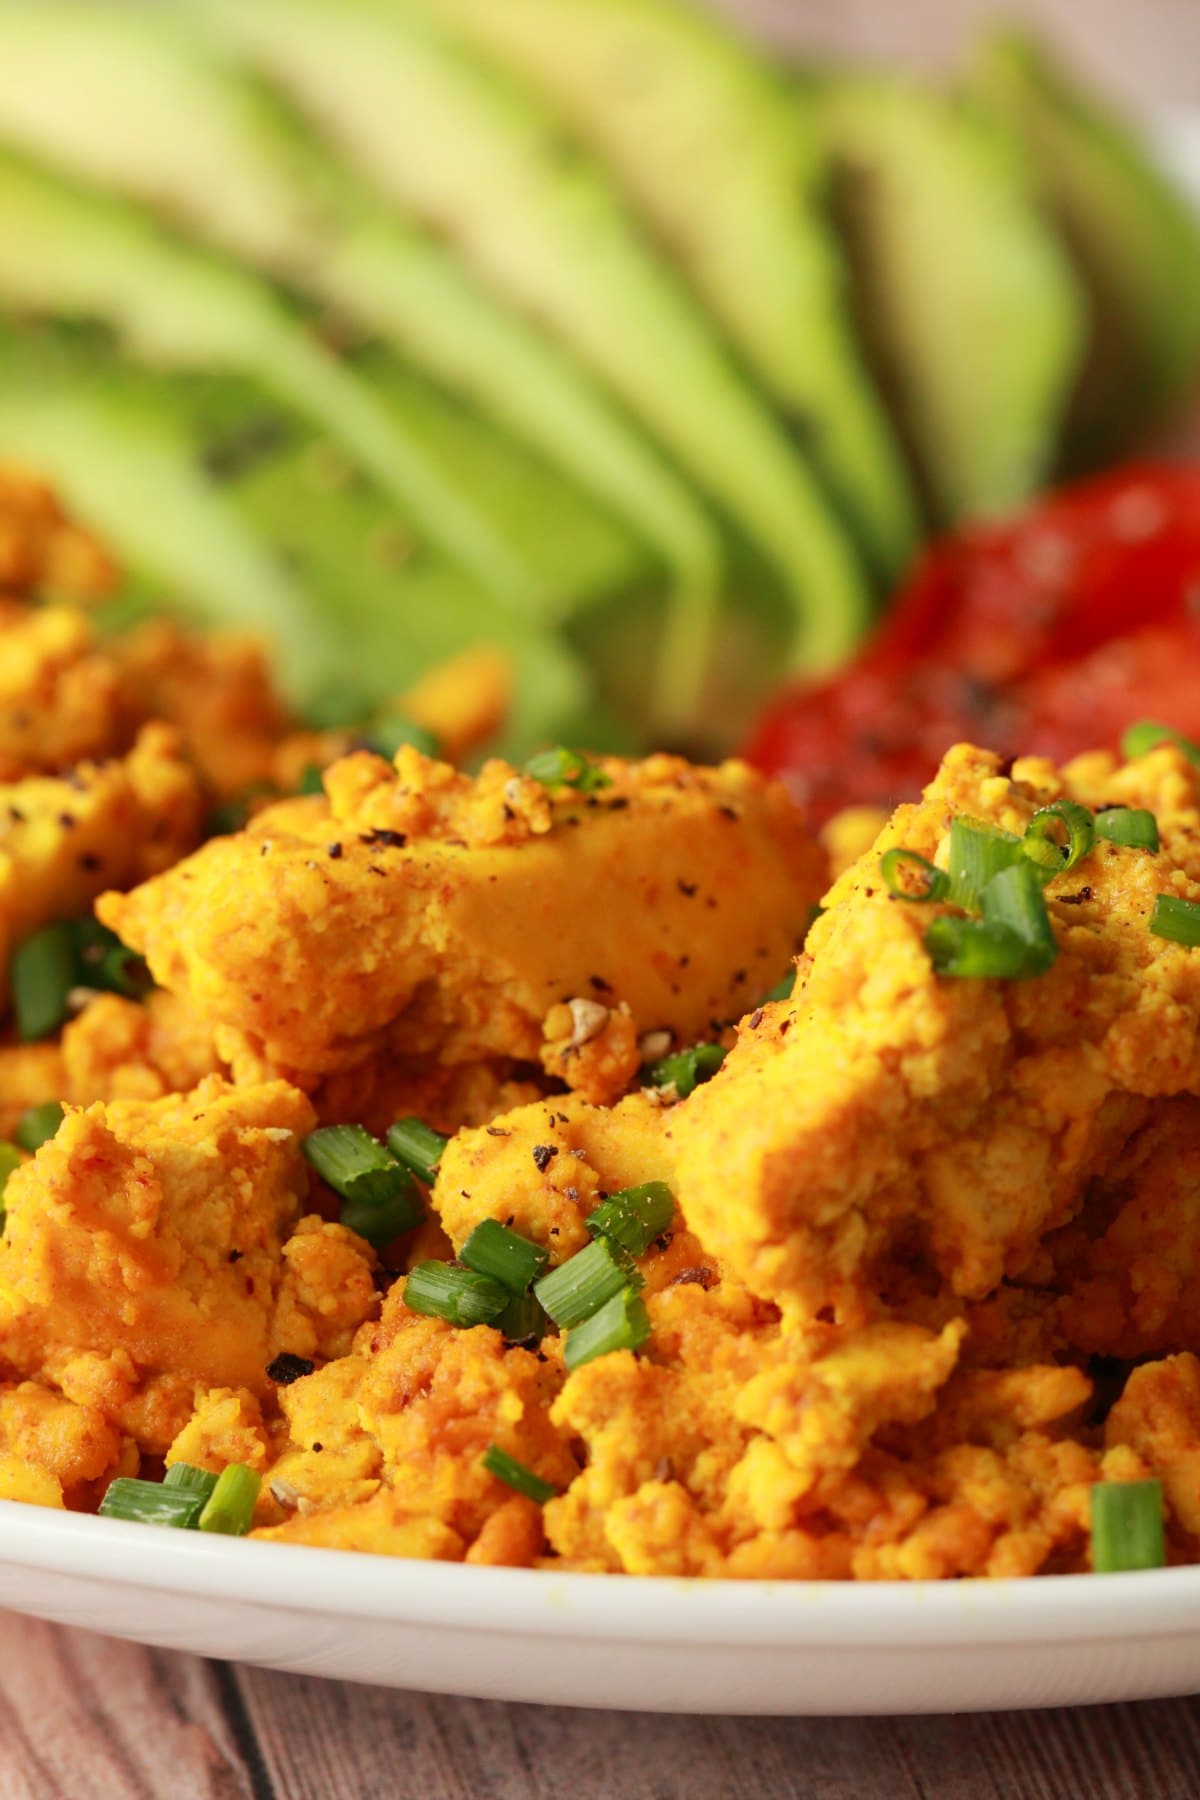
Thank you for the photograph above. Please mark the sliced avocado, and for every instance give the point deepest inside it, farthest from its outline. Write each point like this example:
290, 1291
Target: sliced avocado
234, 512
482, 163
1136, 241
726, 165
67, 252
245, 177
972, 306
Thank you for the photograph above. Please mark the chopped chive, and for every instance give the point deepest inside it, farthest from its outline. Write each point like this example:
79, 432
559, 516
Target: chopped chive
311, 781
1013, 900
1127, 1526
387, 733
1042, 847
977, 852
378, 1198
444, 1291
512, 1260
1132, 826
634, 1217
1148, 734
523, 1320
229, 1509
152, 1503
580, 1286
1176, 919
418, 1146
192, 1479
103, 961
42, 974
38, 1124
381, 1222
622, 1323
935, 883
560, 769
968, 949
515, 1475
686, 1069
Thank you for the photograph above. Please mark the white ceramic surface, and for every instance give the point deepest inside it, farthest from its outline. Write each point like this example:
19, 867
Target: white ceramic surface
597, 1640
587, 1640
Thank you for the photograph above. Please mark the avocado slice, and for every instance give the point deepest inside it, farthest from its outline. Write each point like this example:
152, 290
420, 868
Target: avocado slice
233, 511
482, 163
1135, 239
68, 252
972, 306
246, 178
726, 165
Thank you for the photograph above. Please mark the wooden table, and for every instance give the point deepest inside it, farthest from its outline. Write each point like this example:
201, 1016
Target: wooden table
87, 1718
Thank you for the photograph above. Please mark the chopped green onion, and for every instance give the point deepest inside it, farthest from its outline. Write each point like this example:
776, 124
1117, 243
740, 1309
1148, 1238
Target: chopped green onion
523, 1320
418, 1146
102, 961
1148, 734
311, 781
512, 1260
42, 974
634, 1217
10, 1160
229, 1509
381, 1222
560, 769
1014, 901
1129, 825
152, 1503
1042, 847
191, 1478
935, 882
580, 1286
1127, 1526
387, 733
686, 1069
444, 1291
782, 989
515, 1475
977, 853
968, 949
379, 1200
1176, 919
38, 1124
622, 1323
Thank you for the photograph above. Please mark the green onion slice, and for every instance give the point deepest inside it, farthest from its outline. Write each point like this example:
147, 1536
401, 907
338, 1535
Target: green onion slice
1148, 734
152, 1503
1129, 825
188, 1476
977, 852
381, 1222
379, 1200
444, 1291
38, 1124
935, 883
1014, 901
969, 949
1127, 1526
634, 1217
1043, 847
523, 1320
229, 1509
1176, 919
311, 781
102, 961
782, 989
560, 769
503, 1254
580, 1286
686, 1069
418, 1146
387, 733
622, 1323
515, 1475
42, 973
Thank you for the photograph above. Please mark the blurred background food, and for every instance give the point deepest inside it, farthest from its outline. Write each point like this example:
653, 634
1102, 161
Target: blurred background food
595, 332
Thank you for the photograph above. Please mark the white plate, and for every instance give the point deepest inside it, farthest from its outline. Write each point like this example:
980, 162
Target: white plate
599, 1640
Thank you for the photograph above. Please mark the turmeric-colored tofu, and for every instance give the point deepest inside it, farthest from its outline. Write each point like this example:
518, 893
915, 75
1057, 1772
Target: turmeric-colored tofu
42, 551
417, 912
61, 699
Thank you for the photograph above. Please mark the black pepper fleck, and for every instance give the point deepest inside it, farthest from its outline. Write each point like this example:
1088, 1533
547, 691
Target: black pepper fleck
543, 1156
334, 850
287, 1368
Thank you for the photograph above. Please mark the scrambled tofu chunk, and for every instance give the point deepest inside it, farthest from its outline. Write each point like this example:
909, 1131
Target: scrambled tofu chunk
416, 912
154, 1248
63, 839
41, 550
883, 1100
61, 699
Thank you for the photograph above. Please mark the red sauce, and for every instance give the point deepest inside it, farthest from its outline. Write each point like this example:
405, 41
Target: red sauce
1048, 633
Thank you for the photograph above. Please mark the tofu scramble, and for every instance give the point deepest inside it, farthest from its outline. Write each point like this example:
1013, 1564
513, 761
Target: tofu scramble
422, 1166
